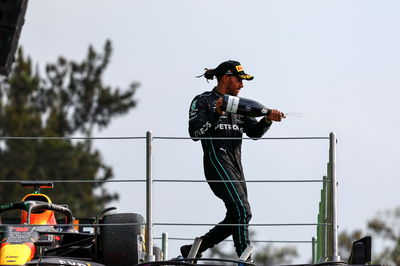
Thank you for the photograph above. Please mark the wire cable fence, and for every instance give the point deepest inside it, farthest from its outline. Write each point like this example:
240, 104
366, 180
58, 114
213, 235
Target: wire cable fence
171, 181
160, 138
254, 241
331, 249
184, 224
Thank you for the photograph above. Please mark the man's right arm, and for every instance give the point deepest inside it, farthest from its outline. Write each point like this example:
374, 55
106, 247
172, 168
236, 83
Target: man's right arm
202, 117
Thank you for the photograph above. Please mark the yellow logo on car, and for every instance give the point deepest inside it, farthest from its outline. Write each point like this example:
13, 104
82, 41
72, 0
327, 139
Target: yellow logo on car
16, 254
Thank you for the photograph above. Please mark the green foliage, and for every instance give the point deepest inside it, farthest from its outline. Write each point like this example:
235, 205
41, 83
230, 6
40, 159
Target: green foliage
385, 228
385, 232
271, 255
70, 99
345, 242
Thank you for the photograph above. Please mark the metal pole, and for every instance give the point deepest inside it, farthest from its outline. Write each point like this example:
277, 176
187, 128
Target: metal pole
149, 197
328, 232
313, 250
332, 169
164, 246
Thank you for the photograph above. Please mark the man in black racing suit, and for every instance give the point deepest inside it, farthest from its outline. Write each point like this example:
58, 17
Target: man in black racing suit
222, 157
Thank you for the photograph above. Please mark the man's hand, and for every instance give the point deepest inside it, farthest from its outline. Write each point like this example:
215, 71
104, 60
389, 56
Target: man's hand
275, 115
218, 105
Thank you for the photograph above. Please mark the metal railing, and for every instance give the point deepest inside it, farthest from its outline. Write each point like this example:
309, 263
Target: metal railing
327, 237
324, 248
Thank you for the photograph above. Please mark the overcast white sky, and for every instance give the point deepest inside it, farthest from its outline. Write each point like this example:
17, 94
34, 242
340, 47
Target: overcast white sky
337, 61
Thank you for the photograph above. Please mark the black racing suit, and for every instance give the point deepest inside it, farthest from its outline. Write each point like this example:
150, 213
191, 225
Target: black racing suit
222, 161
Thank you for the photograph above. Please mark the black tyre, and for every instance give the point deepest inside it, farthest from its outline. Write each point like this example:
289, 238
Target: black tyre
121, 245
157, 253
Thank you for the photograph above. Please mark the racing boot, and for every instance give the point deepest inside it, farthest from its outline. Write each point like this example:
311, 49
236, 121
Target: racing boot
186, 249
248, 262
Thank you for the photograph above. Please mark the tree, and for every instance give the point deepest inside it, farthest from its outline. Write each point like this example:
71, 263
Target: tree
270, 255
345, 242
384, 229
70, 99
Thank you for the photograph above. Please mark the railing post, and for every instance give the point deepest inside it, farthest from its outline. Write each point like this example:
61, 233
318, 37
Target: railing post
313, 250
322, 229
149, 197
334, 252
328, 233
164, 246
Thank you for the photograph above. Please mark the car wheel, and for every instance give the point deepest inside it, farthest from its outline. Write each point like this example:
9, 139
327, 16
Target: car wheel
121, 245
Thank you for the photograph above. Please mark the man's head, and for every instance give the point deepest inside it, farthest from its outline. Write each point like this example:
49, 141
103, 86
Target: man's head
231, 68
230, 75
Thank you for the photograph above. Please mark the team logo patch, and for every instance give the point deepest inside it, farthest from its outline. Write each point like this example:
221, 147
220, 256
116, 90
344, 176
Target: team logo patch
239, 68
193, 107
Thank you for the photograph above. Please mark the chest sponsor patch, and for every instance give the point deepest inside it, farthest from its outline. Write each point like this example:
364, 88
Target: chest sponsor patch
228, 127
